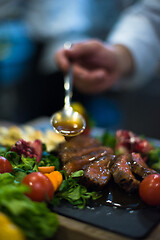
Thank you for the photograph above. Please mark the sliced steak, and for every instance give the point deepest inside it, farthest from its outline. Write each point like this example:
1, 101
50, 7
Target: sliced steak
77, 146
99, 163
139, 167
122, 174
81, 162
98, 173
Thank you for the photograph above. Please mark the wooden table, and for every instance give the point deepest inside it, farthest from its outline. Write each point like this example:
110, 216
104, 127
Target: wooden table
70, 229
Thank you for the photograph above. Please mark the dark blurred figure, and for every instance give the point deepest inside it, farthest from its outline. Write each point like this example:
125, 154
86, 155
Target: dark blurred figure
25, 30
37, 89
127, 60
31, 33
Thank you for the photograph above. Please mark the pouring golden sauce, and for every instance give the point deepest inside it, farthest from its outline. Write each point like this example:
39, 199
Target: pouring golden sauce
68, 123
68, 128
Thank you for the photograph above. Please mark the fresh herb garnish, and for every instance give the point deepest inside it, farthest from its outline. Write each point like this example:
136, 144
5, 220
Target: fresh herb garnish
49, 159
73, 192
70, 189
21, 165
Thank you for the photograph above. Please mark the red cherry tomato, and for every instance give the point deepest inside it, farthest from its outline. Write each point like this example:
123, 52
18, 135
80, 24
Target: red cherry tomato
149, 189
40, 185
5, 165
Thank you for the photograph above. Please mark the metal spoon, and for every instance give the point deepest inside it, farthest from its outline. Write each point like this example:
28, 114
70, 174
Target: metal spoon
67, 121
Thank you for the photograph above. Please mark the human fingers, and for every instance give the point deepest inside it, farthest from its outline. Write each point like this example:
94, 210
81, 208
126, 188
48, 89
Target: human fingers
102, 81
79, 50
62, 60
93, 54
92, 82
81, 78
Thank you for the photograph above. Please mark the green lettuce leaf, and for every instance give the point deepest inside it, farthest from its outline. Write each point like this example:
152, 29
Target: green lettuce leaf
34, 218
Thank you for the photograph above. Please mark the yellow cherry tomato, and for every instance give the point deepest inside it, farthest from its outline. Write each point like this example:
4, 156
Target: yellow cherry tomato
8, 230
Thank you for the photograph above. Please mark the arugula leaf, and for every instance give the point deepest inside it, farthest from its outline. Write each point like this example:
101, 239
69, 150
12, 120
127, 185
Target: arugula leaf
77, 174
13, 157
49, 159
21, 163
73, 192
28, 164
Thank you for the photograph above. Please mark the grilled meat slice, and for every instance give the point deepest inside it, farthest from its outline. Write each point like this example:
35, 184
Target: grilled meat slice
99, 163
77, 146
139, 167
98, 173
82, 152
122, 174
80, 162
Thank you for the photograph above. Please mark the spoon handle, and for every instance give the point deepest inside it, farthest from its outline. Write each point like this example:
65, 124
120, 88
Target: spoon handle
68, 89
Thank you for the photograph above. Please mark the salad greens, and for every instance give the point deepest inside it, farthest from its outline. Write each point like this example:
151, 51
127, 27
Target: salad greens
154, 159
21, 165
108, 139
25, 165
70, 189
153, 156
34, 218
73, 192
49, 159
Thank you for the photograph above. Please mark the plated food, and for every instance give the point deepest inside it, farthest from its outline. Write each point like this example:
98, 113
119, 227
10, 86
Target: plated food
125, 164
78, 170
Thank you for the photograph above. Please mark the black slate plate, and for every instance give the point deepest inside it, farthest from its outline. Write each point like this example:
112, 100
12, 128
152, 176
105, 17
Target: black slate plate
131, 223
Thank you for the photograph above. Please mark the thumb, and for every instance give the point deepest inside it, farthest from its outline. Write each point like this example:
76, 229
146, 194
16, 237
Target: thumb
62, 60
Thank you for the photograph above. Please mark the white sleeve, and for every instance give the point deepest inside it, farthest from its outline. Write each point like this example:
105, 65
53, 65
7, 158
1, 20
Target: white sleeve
139, 30
53, 23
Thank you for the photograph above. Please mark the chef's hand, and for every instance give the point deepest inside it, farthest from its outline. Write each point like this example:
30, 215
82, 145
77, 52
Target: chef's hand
96, 67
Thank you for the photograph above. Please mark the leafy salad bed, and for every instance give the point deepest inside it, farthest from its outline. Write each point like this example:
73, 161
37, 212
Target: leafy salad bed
35, 218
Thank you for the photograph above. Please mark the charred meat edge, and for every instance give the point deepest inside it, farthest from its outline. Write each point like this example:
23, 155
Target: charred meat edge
76, 147
122, 174
81, 162
139, 167
98, 172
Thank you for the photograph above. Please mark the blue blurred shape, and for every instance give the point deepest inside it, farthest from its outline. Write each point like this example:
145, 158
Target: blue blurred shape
105, 112
16, 49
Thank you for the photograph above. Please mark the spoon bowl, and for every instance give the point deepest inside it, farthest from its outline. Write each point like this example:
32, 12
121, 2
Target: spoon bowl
67, 121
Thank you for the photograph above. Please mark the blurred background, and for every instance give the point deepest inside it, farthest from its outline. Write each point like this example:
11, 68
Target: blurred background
31, 86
